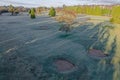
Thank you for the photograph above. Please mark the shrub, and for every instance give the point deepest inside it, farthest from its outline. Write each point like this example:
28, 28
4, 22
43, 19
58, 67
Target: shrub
52, 12
111, 20
32, 13
115, 20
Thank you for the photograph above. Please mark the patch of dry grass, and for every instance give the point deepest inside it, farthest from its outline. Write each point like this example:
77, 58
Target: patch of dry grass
65, 16
97, 19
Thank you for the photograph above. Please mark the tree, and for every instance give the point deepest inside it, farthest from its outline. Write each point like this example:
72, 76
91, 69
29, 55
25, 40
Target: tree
11, 9
32, 13
52, 12
115, 14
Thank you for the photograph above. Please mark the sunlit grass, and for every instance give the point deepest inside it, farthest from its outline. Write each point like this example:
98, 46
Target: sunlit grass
109, 42
97, 19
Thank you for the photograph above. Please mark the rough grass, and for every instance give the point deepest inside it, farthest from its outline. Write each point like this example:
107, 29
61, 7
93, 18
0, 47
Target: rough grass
65, 16
97, 19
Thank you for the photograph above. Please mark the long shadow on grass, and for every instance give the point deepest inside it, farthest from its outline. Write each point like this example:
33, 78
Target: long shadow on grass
83, 35
105, 68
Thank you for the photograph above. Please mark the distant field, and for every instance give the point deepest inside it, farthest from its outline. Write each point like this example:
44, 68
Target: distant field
98, 19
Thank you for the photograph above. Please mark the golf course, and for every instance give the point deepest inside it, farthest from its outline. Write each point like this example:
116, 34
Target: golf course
35, 49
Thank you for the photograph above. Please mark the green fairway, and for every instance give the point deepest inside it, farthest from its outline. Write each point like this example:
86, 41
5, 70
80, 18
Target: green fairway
35, 49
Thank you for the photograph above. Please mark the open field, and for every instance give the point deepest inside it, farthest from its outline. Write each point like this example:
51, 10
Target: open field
35, 49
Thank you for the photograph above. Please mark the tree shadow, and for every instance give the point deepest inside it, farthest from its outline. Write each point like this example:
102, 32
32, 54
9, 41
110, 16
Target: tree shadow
97, 34
66, 35
113, 49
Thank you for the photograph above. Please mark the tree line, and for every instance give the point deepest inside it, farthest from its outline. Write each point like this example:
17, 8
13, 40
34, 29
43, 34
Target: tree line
111, 11
12, 9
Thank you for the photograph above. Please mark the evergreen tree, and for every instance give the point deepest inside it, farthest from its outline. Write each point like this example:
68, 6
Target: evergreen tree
52, 12
32, 13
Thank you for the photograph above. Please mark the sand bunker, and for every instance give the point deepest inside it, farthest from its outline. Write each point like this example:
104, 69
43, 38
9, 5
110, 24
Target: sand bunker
97, 53
64, 65
43, 27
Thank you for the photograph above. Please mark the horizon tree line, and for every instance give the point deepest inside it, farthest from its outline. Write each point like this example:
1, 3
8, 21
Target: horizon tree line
113, 11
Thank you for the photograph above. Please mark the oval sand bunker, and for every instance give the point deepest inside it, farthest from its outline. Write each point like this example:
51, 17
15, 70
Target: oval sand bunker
97, 53
64, 65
